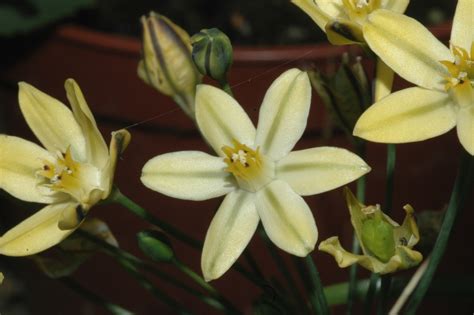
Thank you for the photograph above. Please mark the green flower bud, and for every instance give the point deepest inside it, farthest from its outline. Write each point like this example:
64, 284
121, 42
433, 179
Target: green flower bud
346, 94
155, 245
212, 53
377, 235
167, 64
386, 245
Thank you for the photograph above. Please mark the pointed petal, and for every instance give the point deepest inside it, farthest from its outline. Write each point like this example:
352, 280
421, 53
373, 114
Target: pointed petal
283, 115
190, 175
229, 233
410, 115
118, 143
398, 6
407, 47
465, 128
315, 12
383, 81
462, 33
317, 170
51, 121
37, 233
97, 153
287, 219
333, 8
221, 119
19, 162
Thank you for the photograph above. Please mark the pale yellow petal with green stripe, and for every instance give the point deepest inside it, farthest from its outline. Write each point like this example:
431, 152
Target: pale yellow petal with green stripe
407, 47
316, 170
287, 219
230, 231
462, 33
315, 13
465, 128
37, 233
190, 175
97, 152
51, 121
221, 119
283, 114
19, 161
409, 115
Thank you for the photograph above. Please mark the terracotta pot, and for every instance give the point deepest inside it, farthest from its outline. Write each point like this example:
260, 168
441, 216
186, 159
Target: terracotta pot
105, 67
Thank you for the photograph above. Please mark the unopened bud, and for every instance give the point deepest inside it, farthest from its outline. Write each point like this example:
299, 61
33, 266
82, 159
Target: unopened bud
167, 64
155, 245
212, 53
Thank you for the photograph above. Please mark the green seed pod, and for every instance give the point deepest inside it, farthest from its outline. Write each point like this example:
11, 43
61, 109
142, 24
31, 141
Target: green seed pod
377, 236
155, 245
212, 53
167, 64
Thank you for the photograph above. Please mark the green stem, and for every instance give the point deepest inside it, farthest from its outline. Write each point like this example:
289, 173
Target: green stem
120, 254
226, 87
321, 306
462, 187
386, 281
94, 298
131, 268
118, 197
296, 297
126, 202
361, 187
369, 297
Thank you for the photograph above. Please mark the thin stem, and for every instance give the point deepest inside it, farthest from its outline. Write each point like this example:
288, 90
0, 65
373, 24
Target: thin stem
285, 271
118, 197
126, 202
361, 187
369, 297
121, 254
94, 298
386, 281
462, 187
226, 87
318, 290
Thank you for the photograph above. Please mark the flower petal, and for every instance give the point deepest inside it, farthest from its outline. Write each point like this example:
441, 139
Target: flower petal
221, 119
51, 121
287, 219
96, 149
462, 33
229, 233
118, 143
190, 175
37, 233
19, 162
398, 6
407, 47
409, 115
465, 128
283, 115
403, 259
317, 170
315, 12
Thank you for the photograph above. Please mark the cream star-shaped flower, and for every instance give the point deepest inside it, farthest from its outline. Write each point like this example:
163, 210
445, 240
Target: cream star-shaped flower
343, 20
73, 171
261, 178
445, 96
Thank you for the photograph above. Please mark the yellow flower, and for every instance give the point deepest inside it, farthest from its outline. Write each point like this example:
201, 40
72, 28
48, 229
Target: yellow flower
256, 170
343, 20
444, 97
167, 64
386, 246
73, 171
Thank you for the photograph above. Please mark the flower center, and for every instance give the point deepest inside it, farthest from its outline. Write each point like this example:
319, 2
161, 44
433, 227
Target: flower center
251, 169
68, 176
357, 10
461, 70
